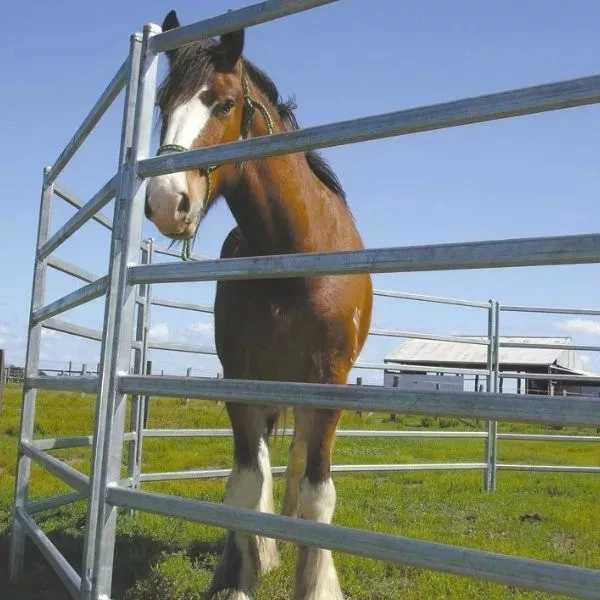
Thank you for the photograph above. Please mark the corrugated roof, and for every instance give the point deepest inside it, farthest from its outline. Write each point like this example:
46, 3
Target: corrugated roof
431, 351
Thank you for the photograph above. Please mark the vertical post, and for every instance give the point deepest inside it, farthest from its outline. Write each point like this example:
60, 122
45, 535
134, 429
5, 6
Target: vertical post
490, 449
146, 368
119, 313
147, 398
1, 377
395, 382
32, 363
188, 373
141, 336
83, 369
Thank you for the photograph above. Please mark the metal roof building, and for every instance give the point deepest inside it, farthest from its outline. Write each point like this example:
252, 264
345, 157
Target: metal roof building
464, 355
430, 356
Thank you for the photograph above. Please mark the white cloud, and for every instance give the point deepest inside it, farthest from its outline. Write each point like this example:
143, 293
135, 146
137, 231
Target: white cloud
159, 332
585, 360
48, 333
580, 326
202, 328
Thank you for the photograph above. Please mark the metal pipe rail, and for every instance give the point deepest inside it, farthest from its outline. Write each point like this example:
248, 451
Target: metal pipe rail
519, 252
102, 197
578, 411
100, 107
70, 269
521, 572
551, 410
280, 470
71, 199
84, 294
369, 433
231, 21
434, 299
50, 552
531, 100
557, 311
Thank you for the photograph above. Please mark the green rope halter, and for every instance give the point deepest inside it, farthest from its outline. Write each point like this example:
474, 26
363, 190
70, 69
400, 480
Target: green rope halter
250, 106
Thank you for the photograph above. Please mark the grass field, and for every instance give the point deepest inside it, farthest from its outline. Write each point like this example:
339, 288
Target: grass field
548, 516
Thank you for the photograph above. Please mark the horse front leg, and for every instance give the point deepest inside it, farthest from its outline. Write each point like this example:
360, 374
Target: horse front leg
250, 486
316, 576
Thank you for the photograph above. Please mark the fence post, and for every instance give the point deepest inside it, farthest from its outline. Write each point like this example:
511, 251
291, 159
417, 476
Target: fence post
99, 542
188, 373
491, 442
32, 363
147, 398
1, 377
136, 426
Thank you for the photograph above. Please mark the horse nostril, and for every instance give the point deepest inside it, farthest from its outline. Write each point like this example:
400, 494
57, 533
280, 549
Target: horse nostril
184, 204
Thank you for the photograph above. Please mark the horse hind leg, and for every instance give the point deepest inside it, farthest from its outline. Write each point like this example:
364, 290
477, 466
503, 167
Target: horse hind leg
250, 486
316, 576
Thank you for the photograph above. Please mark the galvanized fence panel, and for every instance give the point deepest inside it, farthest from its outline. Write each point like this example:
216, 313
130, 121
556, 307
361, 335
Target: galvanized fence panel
104, 489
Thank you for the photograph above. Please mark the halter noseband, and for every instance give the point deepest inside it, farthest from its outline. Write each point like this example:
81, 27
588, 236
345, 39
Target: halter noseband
249, 107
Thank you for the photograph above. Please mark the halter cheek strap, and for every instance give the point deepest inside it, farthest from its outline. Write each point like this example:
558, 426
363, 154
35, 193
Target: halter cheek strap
249, 107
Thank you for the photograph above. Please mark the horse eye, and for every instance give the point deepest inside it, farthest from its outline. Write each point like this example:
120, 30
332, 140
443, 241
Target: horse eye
226, 106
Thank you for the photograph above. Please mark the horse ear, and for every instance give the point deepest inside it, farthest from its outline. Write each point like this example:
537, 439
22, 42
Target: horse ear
230, 49
171, 22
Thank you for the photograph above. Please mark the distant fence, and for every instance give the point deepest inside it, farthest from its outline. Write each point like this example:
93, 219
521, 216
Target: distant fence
104, 488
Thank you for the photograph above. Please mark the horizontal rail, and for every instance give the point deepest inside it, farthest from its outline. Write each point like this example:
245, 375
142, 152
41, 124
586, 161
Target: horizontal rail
428, 336
368, 433
102, 197
435, 299
550, 376
68, 474
210, 473
71, 199
203, 308
397, 367
573, 410
100, 107
557, 311
77, 441
35, 506
84, 294
231, 21
57, 561
81, 383
544, 437
177, 347
520, 572
559, 250
70, 269
176, 253
73, 329
548, 468
549, 346
531, 100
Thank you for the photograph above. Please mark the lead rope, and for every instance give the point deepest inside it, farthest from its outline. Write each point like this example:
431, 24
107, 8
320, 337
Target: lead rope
249, 107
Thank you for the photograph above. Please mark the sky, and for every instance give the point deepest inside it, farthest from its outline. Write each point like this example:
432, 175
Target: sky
529, 176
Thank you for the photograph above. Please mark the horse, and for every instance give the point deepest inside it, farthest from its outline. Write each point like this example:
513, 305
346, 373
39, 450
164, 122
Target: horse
303, 329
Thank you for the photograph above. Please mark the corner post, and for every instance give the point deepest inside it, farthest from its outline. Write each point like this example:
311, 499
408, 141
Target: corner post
32, 363
119, 310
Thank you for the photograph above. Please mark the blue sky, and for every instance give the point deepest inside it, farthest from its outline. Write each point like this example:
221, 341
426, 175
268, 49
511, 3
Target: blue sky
531, 176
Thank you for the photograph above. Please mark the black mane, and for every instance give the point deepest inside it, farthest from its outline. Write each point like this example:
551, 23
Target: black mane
192, 64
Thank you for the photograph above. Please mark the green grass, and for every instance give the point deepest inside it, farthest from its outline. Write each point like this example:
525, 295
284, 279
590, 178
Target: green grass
160, 558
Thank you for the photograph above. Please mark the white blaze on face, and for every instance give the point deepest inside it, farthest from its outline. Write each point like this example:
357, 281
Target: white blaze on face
185, 124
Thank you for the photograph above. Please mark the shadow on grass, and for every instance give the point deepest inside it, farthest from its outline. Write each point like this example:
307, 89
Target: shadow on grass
135, 557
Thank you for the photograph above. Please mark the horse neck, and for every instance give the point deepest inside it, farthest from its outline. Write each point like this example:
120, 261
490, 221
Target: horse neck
282, 207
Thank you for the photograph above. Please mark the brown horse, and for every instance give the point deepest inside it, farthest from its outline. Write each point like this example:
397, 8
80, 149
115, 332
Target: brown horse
301, 329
